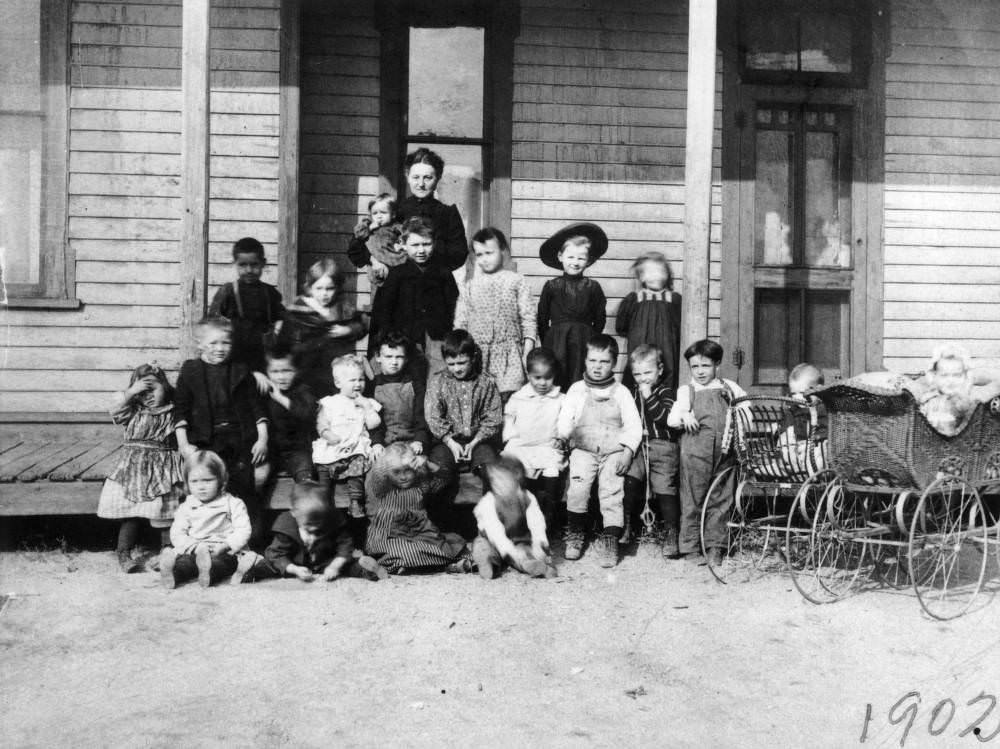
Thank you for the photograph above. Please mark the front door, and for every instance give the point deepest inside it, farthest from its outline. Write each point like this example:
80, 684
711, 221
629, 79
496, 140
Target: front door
799, 177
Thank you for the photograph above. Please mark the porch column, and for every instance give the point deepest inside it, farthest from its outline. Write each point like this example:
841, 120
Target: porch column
698, 169
194, 168
288, 148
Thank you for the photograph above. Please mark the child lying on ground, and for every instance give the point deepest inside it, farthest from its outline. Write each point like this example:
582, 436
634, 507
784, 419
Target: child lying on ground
511, 525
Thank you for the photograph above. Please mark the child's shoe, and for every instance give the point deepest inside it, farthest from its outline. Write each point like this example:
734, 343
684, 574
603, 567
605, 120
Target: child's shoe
573, 541
371, 569
714, 557
167, 559
203, 561
671, 547
461, 567
244, 563
606, 549
127, 563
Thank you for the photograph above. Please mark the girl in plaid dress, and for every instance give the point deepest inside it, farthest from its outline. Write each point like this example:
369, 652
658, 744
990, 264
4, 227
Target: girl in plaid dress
148, 481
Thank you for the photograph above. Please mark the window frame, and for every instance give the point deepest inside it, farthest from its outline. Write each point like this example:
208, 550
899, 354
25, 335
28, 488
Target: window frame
500, 22
56, 260
861, 49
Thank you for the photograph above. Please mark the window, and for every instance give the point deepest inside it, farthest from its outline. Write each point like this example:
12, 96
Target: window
810, 41
445, 111
33, 152
447, 84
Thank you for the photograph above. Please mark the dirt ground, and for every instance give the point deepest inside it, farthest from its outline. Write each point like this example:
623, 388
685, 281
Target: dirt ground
650, 654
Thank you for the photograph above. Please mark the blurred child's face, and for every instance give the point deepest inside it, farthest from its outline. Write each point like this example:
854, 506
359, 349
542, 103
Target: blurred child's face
419, 249
215, 345
653, 275
203, 484
350, 381
391, 359
156, 396
308, 519
802, 384
422, 180
489, 256
647, 371
574, 260
323, 291
281, 372
380, 214
950, 376
249, 266
703, 369
403, 476
542, 378
599, 364
460, 366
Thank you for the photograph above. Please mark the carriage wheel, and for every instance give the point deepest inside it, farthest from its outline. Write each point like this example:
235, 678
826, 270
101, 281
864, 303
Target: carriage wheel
798, 548
949, 537
839, 553
890, 560
749, 543
733, 563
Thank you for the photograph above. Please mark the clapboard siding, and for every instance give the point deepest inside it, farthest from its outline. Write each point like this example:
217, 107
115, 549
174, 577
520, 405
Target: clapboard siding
942, 181
243, 132
339, 131
599, 133
123, 215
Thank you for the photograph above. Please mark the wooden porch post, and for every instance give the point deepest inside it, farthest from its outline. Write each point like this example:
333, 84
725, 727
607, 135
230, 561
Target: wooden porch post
698, 169
194, 169
288, 148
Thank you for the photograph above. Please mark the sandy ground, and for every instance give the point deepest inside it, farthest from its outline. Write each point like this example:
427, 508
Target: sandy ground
652, 654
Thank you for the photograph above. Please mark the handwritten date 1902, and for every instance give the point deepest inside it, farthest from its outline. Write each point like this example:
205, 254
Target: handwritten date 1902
940, 717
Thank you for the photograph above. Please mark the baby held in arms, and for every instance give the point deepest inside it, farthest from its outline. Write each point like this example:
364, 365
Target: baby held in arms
951, 388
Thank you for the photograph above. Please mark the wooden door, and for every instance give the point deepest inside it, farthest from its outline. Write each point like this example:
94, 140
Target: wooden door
798, 224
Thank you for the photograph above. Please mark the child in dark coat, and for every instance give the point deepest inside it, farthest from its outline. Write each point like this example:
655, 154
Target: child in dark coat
291, 409
418, 297
252, 306
218, 408
311, 540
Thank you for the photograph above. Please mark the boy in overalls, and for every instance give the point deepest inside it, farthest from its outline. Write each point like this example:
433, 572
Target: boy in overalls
701, 410
600, 421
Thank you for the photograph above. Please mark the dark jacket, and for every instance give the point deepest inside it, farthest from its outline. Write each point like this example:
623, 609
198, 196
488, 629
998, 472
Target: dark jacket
253, 309
292, 428
450, 245
307, 333
286, 546
417, 301
193, 406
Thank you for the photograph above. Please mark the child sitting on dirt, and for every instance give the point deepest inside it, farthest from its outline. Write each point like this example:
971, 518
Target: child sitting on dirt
701, 410
401, 535
511, 525
311, 540
211, 528
603, 428
947, 393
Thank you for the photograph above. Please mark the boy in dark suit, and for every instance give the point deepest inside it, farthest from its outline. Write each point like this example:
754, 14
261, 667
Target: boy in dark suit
218, 408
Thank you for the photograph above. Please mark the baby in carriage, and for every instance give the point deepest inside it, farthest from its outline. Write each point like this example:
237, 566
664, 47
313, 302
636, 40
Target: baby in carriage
950, 390
804, 427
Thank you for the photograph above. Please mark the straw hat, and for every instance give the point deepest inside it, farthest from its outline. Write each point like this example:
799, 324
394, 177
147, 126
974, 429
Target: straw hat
551, 247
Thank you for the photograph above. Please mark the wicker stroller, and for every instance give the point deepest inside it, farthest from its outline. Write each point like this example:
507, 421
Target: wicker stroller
771, 464
901, 504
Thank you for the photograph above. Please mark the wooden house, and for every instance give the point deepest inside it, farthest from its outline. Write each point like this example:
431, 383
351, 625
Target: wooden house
824, 175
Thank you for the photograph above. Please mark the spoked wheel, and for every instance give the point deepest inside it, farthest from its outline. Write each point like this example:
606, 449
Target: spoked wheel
798, 548
750, 540
949, 538
733, 561
890, 566
839, 541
